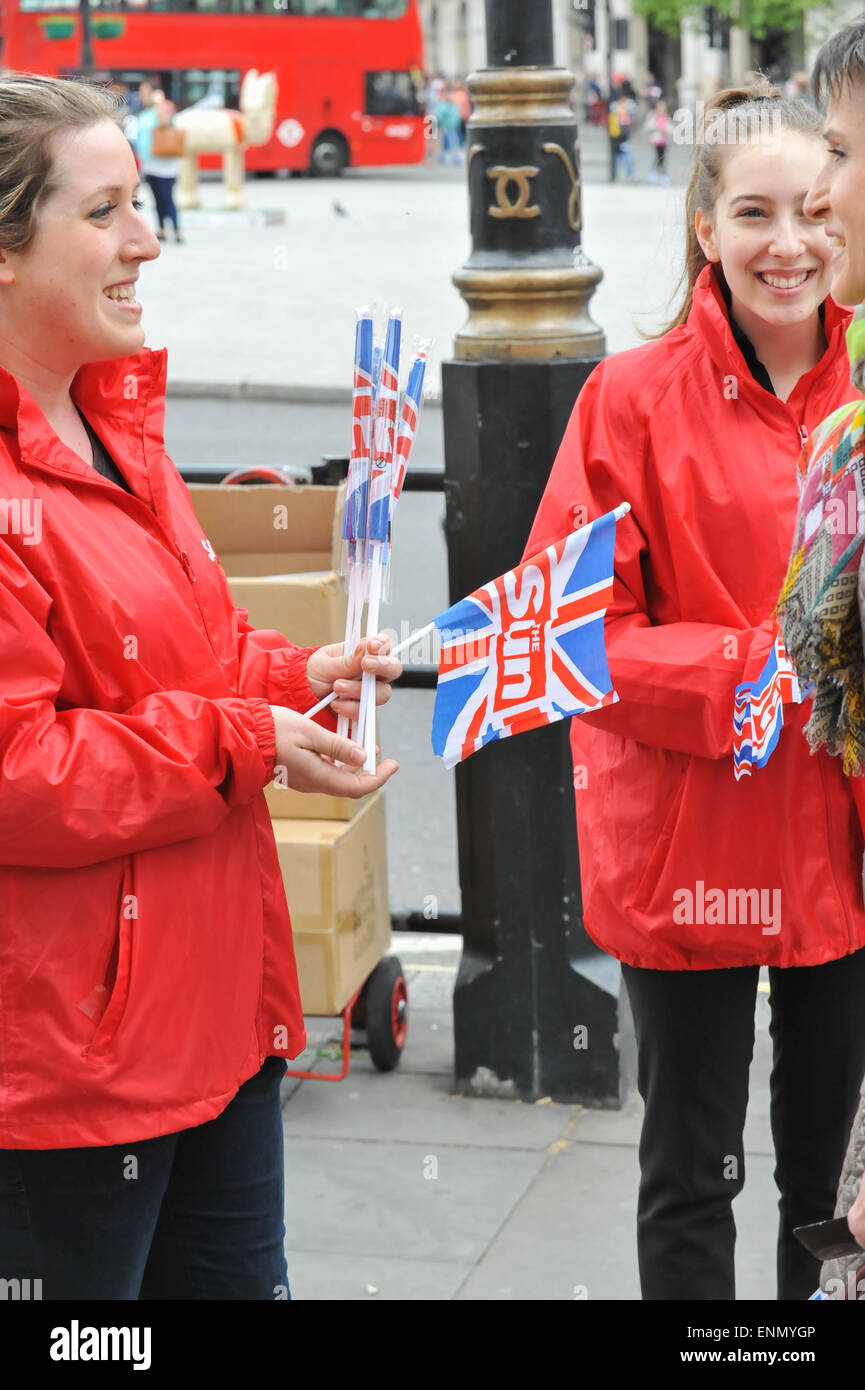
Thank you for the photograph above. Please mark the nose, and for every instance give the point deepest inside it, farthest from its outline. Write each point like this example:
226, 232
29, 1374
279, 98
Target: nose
817, 198
141, 243
786, 237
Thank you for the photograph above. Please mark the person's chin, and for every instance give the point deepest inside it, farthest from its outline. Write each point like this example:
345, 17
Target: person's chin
848, 289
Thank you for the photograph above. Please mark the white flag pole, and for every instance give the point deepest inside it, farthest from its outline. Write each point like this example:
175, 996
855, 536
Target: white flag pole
400, 647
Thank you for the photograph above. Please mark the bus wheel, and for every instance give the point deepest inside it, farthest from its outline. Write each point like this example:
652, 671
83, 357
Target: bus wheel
329, 155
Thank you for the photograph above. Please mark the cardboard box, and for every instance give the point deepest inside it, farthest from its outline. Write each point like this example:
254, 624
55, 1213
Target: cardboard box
280, 547
335, 875
284, 803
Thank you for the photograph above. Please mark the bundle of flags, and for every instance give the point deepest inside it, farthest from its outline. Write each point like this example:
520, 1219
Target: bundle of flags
381, 440
758, 713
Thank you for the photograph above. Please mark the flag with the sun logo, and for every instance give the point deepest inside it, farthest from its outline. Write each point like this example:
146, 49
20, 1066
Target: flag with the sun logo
527, 648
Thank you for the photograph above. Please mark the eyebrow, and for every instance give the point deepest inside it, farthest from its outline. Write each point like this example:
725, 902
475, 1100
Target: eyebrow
109, 188
760, 197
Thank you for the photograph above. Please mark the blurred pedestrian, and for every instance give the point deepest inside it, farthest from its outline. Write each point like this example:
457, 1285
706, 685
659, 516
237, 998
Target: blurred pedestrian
460, 95
657, 123
448, 123
651, 91
160, 171
621, 118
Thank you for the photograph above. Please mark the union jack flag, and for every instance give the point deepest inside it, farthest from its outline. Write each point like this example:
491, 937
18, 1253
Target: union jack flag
758, 710
354, 521
528, 648
408, 423
385, 429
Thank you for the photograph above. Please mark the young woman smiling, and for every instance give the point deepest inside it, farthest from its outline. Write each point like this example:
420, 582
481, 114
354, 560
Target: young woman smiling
700, 432
148, 991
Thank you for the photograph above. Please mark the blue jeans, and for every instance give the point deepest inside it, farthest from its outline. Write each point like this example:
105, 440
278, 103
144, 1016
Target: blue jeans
192, 1215
624, 153
450, 144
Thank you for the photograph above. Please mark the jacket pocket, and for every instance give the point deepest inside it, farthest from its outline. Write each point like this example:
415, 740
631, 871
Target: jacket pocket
116, 1006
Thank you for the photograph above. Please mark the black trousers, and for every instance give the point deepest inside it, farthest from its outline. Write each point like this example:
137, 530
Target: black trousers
695, 1041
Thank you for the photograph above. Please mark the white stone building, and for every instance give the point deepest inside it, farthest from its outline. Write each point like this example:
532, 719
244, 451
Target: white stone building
710, 51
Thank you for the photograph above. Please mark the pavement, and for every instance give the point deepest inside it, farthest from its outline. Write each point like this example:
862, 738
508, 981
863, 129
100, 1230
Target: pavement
269, 309
397, 1188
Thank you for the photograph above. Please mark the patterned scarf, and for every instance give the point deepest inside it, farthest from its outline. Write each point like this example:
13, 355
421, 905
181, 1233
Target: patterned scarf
823, 597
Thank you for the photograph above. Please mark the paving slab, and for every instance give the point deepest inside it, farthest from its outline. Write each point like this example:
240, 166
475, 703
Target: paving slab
274, 305
572, 1236
419, 1109
372, 1278
436, 1201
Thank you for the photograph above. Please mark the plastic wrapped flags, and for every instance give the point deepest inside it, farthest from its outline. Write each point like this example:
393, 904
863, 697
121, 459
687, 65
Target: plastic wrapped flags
382, 438
758, 710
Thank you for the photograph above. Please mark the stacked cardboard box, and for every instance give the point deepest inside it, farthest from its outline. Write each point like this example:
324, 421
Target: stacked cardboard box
279, 548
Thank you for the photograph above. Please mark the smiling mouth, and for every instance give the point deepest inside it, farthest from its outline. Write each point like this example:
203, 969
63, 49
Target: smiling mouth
123, 294
785, 282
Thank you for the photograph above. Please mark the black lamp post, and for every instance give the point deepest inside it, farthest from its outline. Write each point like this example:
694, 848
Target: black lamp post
536, 1005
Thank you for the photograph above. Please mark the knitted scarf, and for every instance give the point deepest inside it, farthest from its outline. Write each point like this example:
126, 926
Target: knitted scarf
823, 597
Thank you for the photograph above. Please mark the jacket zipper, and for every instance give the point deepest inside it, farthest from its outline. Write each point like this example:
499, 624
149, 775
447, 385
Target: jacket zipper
803, 436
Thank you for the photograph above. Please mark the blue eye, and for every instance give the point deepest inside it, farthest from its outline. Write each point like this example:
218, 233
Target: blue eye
837, 153
104, 210
748, 212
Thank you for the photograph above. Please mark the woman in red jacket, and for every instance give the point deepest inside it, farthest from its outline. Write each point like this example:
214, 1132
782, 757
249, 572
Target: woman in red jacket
691, 879
148, 991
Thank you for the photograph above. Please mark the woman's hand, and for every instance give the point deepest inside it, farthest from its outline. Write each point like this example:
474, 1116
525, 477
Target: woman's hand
305, 756
856, 1215
327, 669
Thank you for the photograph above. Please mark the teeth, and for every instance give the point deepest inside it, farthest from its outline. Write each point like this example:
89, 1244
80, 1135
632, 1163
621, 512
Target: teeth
836, 241
125, 292
778, 282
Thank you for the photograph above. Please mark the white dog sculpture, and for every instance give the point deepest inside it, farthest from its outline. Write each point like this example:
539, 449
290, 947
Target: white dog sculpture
225, 132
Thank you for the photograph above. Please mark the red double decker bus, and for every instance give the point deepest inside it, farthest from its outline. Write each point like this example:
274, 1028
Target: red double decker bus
348, 70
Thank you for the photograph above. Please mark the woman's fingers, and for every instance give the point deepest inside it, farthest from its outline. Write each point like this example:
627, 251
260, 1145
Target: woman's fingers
323, 777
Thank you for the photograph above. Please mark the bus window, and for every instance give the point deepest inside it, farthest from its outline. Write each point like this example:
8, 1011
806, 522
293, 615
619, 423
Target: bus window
345, 9
391, 94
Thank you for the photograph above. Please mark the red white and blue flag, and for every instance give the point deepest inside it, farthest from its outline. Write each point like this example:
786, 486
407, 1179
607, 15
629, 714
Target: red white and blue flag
407, 425
384, 432
354, 521
528, 648
758, 710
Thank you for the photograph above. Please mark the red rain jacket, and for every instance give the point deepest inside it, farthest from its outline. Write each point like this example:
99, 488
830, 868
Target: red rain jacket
707, 459
146, 960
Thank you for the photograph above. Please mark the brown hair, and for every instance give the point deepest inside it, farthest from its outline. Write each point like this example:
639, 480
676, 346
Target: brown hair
33, 111
746, 110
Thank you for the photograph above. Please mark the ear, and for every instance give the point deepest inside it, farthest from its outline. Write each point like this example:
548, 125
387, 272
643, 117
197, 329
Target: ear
706, 236
7, 274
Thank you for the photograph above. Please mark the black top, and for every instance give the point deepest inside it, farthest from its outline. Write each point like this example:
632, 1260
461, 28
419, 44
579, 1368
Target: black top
102, 460
743, 342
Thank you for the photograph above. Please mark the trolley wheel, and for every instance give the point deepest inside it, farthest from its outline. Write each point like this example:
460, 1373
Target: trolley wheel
386, 1000
329, 155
